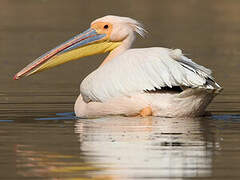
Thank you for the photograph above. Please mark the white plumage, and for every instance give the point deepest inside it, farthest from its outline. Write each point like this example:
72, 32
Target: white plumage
130, 80
140, 70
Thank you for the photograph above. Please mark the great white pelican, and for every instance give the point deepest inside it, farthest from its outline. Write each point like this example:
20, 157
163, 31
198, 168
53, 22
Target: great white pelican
153, 81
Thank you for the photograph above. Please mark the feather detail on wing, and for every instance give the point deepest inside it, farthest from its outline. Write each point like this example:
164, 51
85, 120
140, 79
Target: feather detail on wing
139, 70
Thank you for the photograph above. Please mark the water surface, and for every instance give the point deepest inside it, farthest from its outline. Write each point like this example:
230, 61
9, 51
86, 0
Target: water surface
41, 139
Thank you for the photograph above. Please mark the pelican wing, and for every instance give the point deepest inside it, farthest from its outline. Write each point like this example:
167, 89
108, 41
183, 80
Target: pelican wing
139, 70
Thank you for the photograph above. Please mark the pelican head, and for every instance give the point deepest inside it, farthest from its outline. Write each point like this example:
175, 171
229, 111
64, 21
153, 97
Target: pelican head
104, 35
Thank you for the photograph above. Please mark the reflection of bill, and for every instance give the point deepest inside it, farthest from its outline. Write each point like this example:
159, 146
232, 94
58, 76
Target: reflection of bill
140, 148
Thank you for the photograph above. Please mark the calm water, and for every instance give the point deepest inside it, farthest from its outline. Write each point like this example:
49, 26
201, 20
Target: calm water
41, 139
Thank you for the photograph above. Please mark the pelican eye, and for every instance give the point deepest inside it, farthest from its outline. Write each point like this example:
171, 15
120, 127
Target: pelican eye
106, 26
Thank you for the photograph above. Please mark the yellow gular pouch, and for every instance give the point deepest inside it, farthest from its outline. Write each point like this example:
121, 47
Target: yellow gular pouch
75, 54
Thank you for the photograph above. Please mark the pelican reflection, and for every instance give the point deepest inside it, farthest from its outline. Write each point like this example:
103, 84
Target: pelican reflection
129, 148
